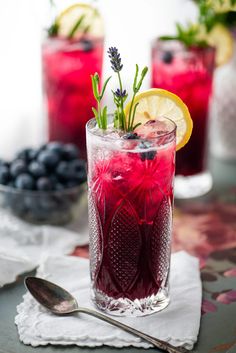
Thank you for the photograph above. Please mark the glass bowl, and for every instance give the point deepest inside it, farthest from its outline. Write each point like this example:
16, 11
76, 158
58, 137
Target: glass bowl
43, 207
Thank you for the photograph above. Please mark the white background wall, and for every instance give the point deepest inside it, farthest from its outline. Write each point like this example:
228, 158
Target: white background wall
130, 25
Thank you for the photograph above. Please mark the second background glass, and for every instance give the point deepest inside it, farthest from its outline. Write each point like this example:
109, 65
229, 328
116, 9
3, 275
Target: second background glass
188, 73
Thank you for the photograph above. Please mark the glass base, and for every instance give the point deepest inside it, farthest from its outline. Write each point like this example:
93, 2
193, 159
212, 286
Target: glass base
192, 186
127, 307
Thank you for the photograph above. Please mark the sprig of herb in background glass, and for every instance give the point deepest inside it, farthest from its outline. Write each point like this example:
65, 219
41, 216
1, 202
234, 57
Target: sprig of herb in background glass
190, 34
99, 113
53, 30
80, 25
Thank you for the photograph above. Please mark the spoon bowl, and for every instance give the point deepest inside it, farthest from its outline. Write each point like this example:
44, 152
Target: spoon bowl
61, 302
51, 296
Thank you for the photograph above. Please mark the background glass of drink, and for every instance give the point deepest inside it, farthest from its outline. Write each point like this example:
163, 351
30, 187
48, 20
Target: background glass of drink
188, 73
67, 66
130, 217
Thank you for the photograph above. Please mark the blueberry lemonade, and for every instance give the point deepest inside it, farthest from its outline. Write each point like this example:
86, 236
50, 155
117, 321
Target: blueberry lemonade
72, 51
131, 166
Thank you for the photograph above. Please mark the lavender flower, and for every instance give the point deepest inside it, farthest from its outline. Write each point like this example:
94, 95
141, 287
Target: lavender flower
115, 59
120, 94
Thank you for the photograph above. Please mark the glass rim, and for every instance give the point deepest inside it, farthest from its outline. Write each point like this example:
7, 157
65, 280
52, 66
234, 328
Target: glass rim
112, 139
73, 41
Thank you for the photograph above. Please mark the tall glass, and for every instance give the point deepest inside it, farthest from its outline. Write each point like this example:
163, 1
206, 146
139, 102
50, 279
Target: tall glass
130, 219
67, 66
188, 73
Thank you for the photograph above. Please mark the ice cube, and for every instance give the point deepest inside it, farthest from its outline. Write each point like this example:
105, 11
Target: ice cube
152, 129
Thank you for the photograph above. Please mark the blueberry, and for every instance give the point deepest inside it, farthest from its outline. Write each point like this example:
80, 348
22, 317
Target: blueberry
70, 152
3, 163
37, 169
55, 147
23, 154
62, 170
131, 136
44, 184
24, 182
149, 155
18, 167
4, 174
77, 170
167, 57
49, 158
32, 154
87, 45
81, 176
77, 165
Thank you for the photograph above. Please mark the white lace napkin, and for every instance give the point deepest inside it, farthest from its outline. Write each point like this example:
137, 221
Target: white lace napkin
22, 245
178, 323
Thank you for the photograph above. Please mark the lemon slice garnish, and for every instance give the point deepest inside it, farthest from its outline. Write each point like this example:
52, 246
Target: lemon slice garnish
92, 21
221, 38
222, 6
156, 103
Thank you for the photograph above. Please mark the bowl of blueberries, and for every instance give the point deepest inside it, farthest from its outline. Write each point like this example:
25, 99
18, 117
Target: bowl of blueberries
44, 185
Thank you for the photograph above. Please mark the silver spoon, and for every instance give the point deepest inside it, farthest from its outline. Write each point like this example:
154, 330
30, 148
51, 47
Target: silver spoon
60, 302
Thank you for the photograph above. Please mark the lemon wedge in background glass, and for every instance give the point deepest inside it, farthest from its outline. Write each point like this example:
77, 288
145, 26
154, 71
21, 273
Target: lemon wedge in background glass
80, 18
222, 6
221, 38
156, 103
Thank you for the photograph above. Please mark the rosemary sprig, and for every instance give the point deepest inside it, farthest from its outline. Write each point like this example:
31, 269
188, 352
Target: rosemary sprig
189, 36
136, 87
99, 113
77, 25
53, 30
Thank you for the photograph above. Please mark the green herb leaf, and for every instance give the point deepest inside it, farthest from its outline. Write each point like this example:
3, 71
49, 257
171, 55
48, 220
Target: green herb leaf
53, 30
135, 77
76, 26
104, 87
100, 113
136, 87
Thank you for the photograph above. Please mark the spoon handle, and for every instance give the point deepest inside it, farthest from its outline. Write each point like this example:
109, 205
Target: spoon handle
156, 342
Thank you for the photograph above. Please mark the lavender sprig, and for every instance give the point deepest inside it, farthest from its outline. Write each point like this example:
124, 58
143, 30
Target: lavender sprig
119, 95
99, 113
115, 59
119, 98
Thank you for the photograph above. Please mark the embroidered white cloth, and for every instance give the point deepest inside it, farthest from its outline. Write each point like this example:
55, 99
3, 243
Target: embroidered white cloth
22, 245
178, 323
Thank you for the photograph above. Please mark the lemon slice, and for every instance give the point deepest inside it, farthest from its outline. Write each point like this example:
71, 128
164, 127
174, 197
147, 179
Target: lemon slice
222, 6
156, 103
92, 21
221, 38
